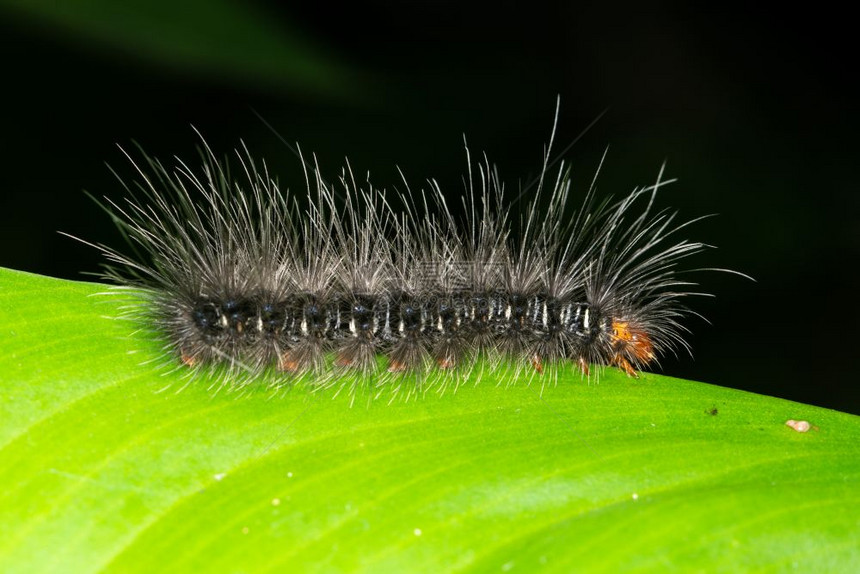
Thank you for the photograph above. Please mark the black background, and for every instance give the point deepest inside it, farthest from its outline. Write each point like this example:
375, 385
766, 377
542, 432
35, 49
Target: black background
752, 110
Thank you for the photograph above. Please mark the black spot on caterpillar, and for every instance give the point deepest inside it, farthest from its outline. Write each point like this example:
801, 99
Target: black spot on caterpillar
240, 277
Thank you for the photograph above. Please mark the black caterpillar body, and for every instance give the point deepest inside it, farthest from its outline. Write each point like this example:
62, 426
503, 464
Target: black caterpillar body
440, 326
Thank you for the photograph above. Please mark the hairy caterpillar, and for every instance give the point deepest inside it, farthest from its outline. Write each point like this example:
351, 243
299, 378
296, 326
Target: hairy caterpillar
240, 277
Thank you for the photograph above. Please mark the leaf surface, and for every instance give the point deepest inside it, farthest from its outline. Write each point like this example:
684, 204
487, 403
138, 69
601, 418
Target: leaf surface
103, 470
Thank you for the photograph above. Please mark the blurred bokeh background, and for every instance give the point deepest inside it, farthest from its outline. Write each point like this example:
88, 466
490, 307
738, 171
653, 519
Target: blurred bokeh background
753, 112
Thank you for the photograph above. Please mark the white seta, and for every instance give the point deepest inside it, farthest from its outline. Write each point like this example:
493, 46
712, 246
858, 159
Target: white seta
347, 284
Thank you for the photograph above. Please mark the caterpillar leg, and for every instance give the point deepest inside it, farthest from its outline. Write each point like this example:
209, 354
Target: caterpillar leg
625, 366
187, 358
446, 363
395, 366
537, 363
287, 363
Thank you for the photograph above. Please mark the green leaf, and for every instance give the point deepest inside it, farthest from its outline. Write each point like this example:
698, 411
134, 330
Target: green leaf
101, 471
228, 40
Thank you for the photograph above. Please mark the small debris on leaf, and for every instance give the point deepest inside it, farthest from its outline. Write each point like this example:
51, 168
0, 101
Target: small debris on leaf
799, 426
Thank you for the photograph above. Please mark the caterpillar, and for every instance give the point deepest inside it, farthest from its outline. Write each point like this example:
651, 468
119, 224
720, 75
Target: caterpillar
238, 276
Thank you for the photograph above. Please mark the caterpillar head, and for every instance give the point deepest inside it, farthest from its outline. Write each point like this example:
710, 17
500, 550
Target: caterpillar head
631, 346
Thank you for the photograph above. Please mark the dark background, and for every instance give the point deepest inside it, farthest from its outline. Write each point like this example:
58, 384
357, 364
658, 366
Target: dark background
753, 111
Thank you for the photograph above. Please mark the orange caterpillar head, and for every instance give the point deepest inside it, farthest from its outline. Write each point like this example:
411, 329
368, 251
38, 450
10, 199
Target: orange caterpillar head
630, 343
